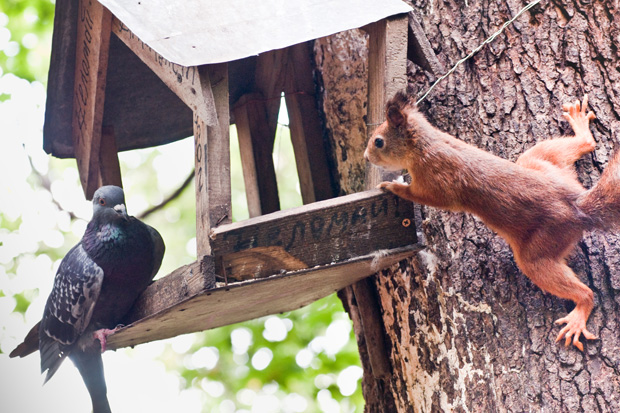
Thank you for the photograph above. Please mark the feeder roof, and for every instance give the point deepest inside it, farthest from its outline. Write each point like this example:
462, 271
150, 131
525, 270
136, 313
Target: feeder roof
197, 32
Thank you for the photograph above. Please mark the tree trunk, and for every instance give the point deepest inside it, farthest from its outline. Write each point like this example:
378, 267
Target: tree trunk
464, 328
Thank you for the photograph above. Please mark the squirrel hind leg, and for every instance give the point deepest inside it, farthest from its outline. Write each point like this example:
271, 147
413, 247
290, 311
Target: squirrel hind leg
557, 278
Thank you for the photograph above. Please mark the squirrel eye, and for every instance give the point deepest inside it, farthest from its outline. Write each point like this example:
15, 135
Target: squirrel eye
101, 201
379, 143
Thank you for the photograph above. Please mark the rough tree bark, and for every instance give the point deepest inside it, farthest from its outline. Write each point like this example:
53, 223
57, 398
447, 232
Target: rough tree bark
465, 330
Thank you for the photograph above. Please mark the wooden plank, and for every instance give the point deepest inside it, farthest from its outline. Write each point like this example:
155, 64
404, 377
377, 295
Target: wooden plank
183, 283
109, 166
419, 50
320, 233
256, 140
184, 81
269, 82
246, 300
387, 74
246, 152
305, 125
91, 65
58, 124
212, 160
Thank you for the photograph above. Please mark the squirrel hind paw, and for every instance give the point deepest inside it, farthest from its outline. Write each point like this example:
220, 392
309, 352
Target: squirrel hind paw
574, 328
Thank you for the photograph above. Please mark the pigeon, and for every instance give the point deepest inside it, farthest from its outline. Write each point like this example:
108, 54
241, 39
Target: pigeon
96, 284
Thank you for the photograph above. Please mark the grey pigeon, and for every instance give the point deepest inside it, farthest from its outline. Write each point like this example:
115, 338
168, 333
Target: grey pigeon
95, 286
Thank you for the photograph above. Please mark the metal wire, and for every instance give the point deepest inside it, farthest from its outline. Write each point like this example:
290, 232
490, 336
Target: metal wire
477, 49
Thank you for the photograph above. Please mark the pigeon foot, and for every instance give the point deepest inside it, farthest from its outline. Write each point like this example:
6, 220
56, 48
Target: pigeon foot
102, 336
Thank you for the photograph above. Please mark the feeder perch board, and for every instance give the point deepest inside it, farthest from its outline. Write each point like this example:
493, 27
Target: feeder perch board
303, 254
320, 233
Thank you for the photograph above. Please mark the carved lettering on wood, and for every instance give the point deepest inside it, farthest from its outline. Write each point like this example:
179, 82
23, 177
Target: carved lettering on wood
92, 47
321, 233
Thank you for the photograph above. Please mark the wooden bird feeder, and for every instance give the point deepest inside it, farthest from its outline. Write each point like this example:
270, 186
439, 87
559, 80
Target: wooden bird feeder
127, 75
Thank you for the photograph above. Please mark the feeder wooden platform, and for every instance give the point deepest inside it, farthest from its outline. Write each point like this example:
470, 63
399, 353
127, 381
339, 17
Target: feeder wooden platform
289, 259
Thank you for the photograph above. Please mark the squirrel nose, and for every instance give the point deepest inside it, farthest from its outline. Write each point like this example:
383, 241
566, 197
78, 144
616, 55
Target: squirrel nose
366, 154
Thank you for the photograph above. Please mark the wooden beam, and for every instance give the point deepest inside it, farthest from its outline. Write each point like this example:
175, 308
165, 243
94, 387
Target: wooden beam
184, 81
212, 159
269, 82
387, 74
256, 140
305, 125
181, 284
315, 234
91, 65
109, 166
419, 50
246, 152
243, 301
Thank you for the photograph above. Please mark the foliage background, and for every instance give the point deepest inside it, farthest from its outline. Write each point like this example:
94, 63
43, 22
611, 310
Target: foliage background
304, 360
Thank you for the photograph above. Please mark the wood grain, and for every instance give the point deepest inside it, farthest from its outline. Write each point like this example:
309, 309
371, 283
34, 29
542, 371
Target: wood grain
256, 140
91, 65
184, 81
419, 50
212, 160
387, 74
315, 234
109, 166
183, 283
305, 126
243, 301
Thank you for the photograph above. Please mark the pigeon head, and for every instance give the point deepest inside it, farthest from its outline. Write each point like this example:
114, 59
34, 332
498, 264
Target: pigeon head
109, 204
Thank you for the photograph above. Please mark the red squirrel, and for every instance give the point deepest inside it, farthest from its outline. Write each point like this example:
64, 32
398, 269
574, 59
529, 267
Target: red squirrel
536, 204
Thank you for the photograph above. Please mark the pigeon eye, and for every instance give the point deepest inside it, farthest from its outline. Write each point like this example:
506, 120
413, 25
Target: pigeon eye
379, 143
101, 201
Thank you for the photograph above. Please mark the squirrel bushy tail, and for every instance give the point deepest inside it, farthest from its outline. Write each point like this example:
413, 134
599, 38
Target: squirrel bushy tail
602, 202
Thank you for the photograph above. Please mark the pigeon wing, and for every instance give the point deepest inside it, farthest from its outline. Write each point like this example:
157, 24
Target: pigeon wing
158, 249
69, 307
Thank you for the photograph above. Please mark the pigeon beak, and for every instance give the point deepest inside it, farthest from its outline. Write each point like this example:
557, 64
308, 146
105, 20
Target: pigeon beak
122, 211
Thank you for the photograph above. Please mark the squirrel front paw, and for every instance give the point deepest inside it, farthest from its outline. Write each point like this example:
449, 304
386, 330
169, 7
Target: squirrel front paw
389, 186
394, 186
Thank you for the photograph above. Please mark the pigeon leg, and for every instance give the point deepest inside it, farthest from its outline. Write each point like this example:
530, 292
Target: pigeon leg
102, 336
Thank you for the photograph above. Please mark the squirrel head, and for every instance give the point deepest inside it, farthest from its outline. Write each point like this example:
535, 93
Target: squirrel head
389, 145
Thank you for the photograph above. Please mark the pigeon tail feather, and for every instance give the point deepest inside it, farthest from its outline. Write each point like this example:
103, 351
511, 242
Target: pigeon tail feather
29, 345
90, 366
52, 357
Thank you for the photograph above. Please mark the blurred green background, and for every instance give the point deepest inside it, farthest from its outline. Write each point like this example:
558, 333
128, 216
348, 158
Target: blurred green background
302, 361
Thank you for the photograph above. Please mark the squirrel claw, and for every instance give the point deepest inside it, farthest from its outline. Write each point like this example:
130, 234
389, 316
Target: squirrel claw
579, 119
574, 328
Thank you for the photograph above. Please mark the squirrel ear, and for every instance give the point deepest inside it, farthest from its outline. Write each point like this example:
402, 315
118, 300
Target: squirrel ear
395, 108
394, 116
